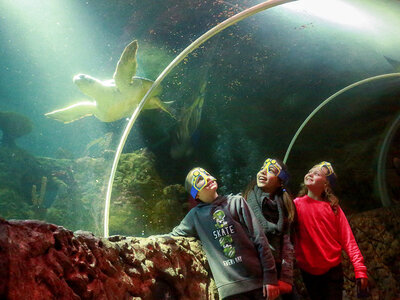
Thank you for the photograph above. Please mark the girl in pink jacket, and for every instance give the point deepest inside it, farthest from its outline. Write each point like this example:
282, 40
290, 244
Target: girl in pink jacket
322, 232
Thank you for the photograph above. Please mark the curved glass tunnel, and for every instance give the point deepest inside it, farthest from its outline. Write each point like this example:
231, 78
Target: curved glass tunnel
247, 90
350, 132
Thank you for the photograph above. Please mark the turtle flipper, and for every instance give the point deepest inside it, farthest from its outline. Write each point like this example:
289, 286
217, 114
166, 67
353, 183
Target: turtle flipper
126, 67
155, 102
74, 112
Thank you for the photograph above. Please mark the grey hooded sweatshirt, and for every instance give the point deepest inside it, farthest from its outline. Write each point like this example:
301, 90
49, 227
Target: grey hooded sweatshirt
236, 247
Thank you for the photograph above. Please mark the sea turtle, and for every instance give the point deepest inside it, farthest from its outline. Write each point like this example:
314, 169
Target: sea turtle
115, 98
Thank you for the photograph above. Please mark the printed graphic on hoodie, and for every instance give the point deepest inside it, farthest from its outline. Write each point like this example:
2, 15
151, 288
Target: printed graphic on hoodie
223, 234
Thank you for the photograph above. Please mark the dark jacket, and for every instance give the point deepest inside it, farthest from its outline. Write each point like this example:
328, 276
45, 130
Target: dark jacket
272, 215
236, 247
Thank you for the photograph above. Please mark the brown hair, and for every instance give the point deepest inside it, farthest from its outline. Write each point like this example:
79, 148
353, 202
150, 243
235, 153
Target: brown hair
288, 202
287, 199
327, 195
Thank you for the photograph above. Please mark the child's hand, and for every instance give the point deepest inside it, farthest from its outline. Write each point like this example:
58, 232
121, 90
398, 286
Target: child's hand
284, 287
362, 288
364, 283
271, 291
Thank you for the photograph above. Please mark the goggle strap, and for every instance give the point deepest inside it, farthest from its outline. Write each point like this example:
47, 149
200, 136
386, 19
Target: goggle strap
193, 192
283, 176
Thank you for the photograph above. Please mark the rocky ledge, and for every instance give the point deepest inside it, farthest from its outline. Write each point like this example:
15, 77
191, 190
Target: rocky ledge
44, 261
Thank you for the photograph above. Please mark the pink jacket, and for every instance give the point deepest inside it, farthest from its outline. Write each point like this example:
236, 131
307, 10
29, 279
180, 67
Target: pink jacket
321, 235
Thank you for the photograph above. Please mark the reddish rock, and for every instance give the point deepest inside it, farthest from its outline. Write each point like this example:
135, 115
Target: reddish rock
44, 261
378, 235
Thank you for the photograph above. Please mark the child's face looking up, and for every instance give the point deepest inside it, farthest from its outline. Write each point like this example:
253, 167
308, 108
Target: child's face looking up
208, 193
315, 179
267, 179
205, 184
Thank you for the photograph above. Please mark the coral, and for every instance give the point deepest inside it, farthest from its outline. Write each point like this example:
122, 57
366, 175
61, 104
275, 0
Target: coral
141, 197
38, 200
75, 191
136, 173
13, 125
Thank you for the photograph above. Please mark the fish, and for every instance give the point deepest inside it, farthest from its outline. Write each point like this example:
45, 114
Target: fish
395, 63
187, 127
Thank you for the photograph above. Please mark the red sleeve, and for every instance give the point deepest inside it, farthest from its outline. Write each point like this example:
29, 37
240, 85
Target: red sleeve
349, 244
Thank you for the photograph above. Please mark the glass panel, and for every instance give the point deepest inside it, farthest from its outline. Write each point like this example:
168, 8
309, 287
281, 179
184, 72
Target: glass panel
237, 99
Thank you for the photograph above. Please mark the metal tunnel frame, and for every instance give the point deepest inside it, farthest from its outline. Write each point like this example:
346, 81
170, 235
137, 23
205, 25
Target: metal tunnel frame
381, 169
384, 148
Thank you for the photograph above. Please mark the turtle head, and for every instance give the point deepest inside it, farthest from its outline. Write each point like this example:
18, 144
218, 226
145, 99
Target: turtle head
87, 84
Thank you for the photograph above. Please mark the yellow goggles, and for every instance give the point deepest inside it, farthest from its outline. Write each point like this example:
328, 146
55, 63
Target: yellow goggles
328, 166
272, 162
200, 179
330, 174
282, 174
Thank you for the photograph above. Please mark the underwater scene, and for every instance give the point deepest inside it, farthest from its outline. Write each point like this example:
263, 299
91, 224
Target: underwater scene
99, 127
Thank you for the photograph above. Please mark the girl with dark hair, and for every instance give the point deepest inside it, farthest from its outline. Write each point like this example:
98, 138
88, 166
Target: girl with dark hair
274, 209
322, 231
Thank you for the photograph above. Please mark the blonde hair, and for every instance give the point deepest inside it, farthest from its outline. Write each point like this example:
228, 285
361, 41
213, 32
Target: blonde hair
188, 180
327, 195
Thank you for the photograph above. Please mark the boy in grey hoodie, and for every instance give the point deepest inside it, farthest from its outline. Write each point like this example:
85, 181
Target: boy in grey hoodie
237, 249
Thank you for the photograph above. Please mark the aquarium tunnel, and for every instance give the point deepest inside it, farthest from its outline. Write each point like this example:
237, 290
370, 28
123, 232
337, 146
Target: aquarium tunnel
236, 98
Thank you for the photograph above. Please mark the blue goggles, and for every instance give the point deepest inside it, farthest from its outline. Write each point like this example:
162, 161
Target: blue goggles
272, 166
200, 179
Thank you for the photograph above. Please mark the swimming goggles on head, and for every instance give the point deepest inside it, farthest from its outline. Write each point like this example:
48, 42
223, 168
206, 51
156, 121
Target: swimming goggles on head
328, 171
200, 179
280, 173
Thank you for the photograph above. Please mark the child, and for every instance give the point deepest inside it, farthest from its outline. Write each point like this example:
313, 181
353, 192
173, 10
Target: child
322, 233
237, 250
274, 209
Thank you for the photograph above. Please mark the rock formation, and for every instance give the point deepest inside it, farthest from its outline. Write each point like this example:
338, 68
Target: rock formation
45, 261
